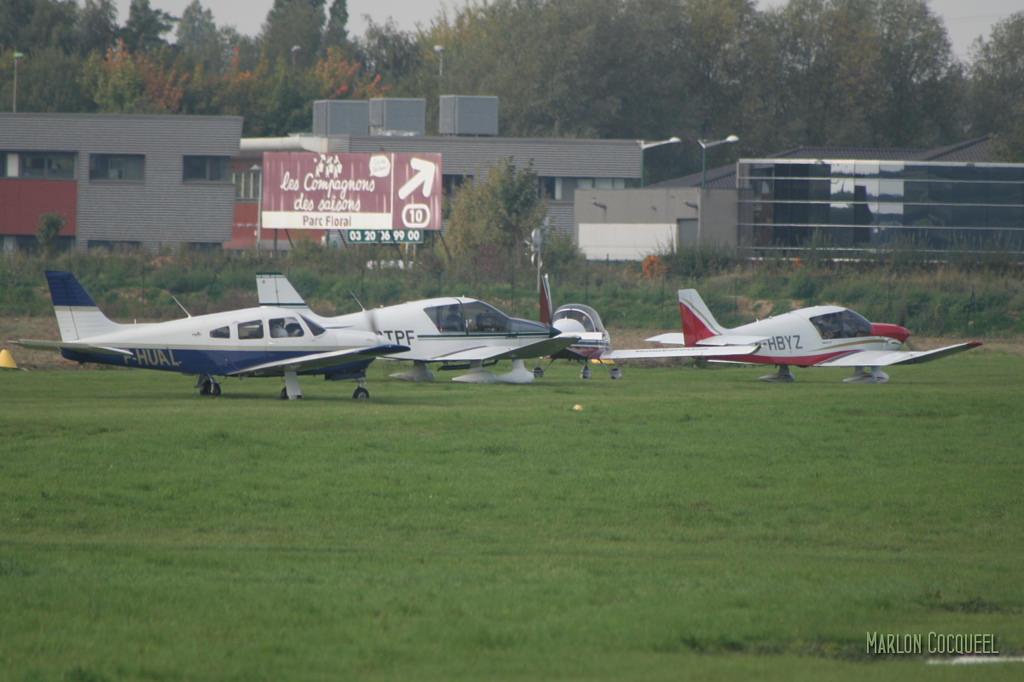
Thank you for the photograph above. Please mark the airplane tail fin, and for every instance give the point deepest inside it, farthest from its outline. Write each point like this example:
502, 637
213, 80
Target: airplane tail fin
545, 301
78, 316
274, 289
698, 322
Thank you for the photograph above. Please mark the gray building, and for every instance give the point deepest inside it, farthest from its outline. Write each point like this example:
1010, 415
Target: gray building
143, 179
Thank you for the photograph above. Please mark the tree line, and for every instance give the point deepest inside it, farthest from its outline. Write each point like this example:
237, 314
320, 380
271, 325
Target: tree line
810, 72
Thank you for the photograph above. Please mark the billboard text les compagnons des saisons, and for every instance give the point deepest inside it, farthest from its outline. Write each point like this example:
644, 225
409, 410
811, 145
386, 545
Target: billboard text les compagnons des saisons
385, 196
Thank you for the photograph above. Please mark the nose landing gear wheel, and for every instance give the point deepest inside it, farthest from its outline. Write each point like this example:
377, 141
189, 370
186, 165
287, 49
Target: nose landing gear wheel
360, 393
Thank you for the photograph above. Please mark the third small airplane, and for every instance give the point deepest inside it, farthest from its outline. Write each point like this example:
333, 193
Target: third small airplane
819, 336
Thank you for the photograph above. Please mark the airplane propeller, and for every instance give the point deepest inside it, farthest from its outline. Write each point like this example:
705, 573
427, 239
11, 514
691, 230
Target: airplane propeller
371, 320
371, 316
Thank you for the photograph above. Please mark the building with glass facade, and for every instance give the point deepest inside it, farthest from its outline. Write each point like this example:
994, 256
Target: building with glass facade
787, 205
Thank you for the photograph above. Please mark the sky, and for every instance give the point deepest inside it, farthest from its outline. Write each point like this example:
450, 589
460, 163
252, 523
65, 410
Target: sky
965, 19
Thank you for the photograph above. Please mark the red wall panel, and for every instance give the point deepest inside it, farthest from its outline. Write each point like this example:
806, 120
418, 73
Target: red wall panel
23, 201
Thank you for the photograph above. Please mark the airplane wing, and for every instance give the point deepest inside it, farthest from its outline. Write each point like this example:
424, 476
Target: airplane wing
43, 344
315, 361
685, 352
505, 351
882, 358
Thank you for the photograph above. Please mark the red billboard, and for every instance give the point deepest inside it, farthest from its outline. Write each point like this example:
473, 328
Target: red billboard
384, 191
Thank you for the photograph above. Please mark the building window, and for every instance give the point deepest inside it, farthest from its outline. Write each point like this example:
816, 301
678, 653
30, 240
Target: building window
210, 168
117, 166
247, 184
48, 165
600, 183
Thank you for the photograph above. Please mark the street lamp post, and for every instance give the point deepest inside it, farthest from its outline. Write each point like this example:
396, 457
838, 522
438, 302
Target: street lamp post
256, 168
14, 96
439, 51
704, 144
644, 146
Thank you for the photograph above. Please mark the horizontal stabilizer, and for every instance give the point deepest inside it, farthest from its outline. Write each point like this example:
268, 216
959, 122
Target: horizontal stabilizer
883, 358
43, 344
315, 361
671, 338
683, 352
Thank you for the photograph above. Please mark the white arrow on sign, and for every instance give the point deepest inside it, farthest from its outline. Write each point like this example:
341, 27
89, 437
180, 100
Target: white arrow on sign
424, 176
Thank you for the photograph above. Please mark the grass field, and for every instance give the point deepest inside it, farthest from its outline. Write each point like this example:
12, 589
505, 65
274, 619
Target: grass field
684, 524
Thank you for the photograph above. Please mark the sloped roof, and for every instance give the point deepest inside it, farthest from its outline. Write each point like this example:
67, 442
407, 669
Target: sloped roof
724, 177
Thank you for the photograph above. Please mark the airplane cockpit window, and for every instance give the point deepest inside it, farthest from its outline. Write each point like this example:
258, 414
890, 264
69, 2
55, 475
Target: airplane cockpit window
586, 316
250, 330
314, 328
282, 327
477, 317
844, 324
447, 318
484, 319
220, 333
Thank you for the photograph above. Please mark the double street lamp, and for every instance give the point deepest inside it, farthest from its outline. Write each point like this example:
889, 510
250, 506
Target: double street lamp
704, 145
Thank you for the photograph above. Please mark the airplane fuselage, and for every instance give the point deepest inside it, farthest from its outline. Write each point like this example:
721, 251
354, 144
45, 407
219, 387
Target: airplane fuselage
433, 328
804, 337
221, 344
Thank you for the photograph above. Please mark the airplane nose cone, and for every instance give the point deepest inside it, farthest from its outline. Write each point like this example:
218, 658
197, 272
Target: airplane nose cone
893, 331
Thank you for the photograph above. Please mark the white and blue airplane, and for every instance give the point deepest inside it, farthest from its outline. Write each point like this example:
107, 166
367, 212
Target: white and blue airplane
251, 342
455, 333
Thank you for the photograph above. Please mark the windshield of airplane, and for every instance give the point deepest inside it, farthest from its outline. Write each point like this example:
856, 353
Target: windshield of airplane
477, 317
844, 324
314, 328
585, 315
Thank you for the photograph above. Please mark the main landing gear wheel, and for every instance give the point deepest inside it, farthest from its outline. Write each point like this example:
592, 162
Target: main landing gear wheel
783, 376
207, 386
360, 393
615, 373
585, 372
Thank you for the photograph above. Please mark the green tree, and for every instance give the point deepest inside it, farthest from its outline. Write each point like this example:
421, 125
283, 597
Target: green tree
30, 25
336, 33
920, 79
386, 51
145, 27
830, 53
48, 80
198, 38
293, 31
47, 230
97, 26
123, 82
491, 217
997, 87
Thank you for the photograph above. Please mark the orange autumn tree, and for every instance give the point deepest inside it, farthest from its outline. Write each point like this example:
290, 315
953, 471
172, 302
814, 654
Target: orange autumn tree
132, 83
334, 77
